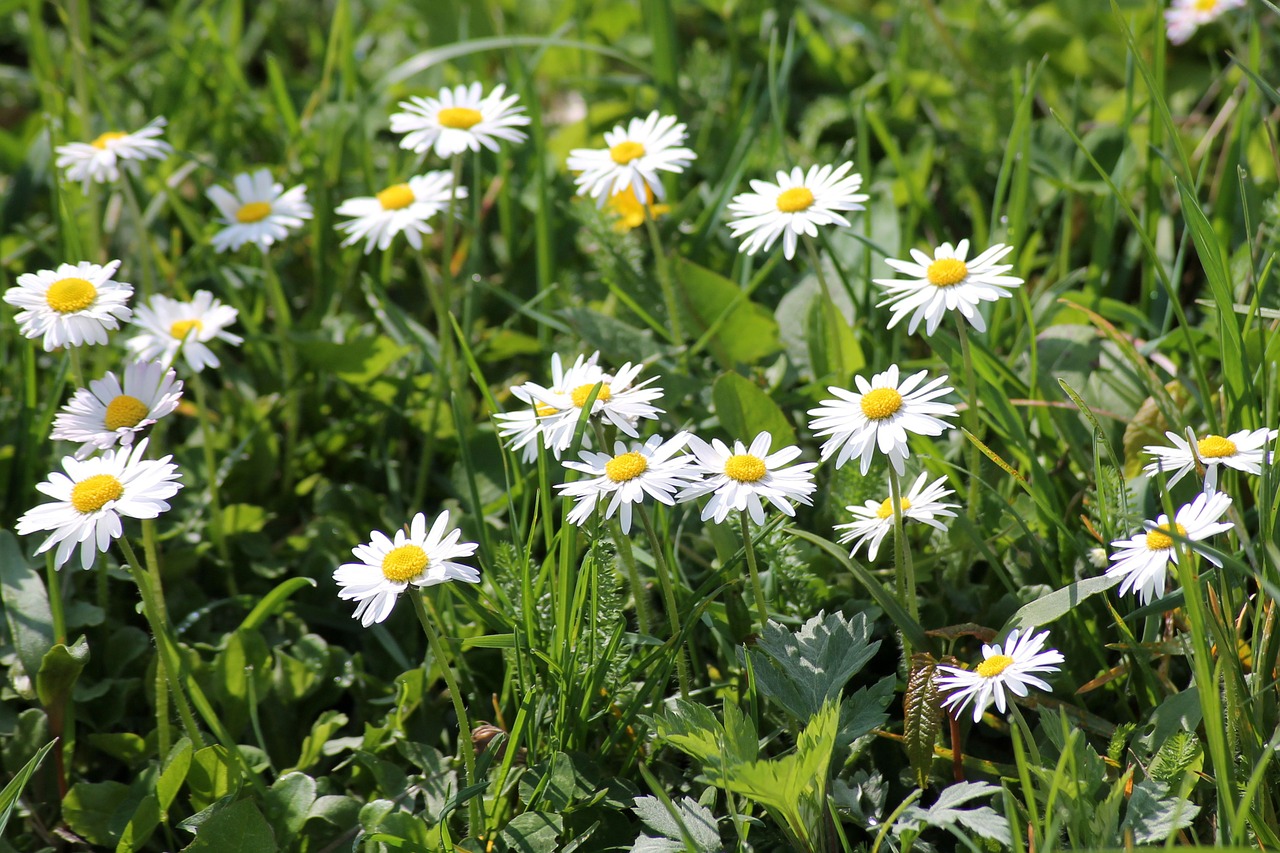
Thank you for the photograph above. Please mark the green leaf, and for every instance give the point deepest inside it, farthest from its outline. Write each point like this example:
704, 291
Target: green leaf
690, 818
743, 331
1175, 757
534, 832
1049, 607
173, 773
358, 362
1153, 816
745, 411
246, 656
803, 670
610, 335
213, 775
100, 811
273, 601
59, 671
865, 710
145, 819
691, 728
922, 717
947, 813
239, 827
289, 803
26, 605
13, 790
321, 731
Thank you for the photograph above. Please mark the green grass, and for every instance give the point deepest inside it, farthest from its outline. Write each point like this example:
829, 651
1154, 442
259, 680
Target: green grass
1136, 181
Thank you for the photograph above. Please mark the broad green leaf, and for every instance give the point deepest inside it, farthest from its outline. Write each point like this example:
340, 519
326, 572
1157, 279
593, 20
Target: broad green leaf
321, 731
213, 775
1047, 608
100, 811
741, 739
246, 656
273, 601
692, 819
239, 827
145, 819
743, 332
745, 411
1153, 815
534, 832
289, 803
26, 605
173, 774
13, 790
865, 710
947, 813
58, 672
693, 729
358, 362
804, 669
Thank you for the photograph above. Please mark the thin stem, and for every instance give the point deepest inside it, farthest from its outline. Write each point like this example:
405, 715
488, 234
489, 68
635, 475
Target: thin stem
756, 588
284, 324
664, 277
139, 224
633, 578
77, 373
971, 415
1026, 731
211, 475
903, 567
667, 582
54, 580
831, 313
159, 630
474, 817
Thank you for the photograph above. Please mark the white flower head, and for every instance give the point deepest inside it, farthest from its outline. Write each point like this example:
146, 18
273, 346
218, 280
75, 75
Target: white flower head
100, 160
628, 475
460, 119
634, 157
169, 326
621, 401
1004, 669
73, 305
258, 212
1243, 450
388, 566
93, 494
526, 427
881, 414
874, 520
108, 412
400, 207
737, 479
1143, 560
1184, 17
797, 204
947, 282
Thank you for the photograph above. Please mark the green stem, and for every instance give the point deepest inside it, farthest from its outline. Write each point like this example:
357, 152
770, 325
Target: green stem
831, 313
474, 818
211, 476
292, 410
77, 373
903, 568
54, 580
664, 277
971, 415
1021, 722
149, 267
756, 588
667, 582
633, 578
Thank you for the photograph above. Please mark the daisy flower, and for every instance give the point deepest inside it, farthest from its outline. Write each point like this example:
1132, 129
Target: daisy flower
100, 160
947, 282
525, 428
737, 479
630, 213
90, 498
388, 566
1143, 560
259, 211
1184, 17
1008, 668
881, 414
628, 475
169, 326
400, 207
458, 120
621, 401
797, 204
108, 413
633, 158
73, 305
875, 519
1241, 450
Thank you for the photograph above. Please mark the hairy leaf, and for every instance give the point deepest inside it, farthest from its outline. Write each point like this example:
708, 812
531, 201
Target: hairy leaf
801, 671
691, 818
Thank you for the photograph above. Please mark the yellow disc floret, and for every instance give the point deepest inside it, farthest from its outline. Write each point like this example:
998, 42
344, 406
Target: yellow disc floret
745, 468
886, 507
881, 403
397, 197
110, 136
68, 295
795, 200
1160, 540
254, 211
1215, 447
994, 665
93, 493
459, 118
1206, 5
945, 272
543, 410
403, 564
582, 392
624, 152
180, 328
125, 411
626, 466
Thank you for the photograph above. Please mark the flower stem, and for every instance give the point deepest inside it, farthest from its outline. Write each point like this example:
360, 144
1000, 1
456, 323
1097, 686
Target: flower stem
667, 582
756, 588
903, 568
971, 415
284, 325
54, 579
1021, 722
664, 277
829, 315
211, 476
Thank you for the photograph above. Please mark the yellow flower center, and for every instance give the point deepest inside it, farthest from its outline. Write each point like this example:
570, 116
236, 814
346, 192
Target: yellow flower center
1160, 540
396, 198
626, 466
254, 211
582, 392
1215, 447
403, 564
125, 411
624, 152
630, 212
795, 200
543, 410
68, 295
1206, 5
110, 136
459, 118
93, 493
745, 468
886, 507
994, 665
180, 329
881, 403
946, 272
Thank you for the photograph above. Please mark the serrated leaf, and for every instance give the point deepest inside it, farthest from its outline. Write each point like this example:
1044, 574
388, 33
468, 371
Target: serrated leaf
692, 729
745, 411
1153, 815
1174, 758
804, 669
947, 813
922, 718
865, 710
697, 820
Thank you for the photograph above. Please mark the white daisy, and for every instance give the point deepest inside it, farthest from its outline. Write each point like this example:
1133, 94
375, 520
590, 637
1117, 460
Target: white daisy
100, 160
169, 326
621, 401
1241, 450
259, 211
737, 479
875, 519
881, 414
401, 207
633, 158
524, 427
1184, 17
106, 413
459, 119
1004, 669
388, 566
90, 498
73, 305
797, 204
947, 282
1143, 560
629, 474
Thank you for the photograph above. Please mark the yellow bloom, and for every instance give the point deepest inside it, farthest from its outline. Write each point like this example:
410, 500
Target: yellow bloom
630, 212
